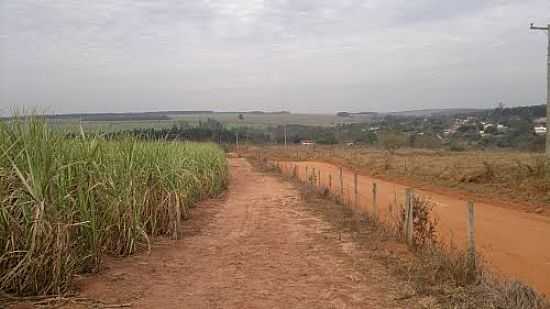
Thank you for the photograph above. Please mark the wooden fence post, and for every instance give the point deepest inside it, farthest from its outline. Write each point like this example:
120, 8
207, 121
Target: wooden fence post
374, 206
471, 236
408, 224
355, 190
406, 219
294, 173
330, 183
319, 177
312, 181
341, 184
307, 169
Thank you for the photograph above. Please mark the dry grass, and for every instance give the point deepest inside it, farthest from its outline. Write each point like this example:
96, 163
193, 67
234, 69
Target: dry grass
424, 224
521, 177
442, 275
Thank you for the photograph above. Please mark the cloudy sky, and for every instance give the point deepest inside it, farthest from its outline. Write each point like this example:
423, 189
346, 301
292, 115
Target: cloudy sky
299, 55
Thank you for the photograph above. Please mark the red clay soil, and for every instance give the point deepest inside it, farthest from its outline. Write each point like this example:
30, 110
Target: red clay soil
514, 243
257, 248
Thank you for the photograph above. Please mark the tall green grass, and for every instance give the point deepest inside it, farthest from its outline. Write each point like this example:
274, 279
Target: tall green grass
64, 202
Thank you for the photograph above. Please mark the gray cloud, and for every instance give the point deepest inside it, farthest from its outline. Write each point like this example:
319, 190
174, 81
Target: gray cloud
301, 55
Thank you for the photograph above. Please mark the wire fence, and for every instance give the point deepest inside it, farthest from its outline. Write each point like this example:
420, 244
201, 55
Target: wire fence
364, 195
510, 237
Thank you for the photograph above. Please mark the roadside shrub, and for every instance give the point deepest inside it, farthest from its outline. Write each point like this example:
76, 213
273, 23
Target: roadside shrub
455, 146
393, 141
516, 295
424, 223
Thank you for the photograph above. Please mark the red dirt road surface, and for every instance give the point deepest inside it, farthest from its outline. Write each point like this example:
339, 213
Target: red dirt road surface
514, 243
257, 248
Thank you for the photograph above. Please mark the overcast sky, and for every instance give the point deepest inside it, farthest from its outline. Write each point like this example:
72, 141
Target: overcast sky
299, 55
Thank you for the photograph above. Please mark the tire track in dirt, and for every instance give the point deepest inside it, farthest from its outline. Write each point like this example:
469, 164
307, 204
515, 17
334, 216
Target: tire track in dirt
257, 248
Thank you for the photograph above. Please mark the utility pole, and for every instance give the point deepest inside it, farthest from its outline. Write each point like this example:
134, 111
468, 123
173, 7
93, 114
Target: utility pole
547, 29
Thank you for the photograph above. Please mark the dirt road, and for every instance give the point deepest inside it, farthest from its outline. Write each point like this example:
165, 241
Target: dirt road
256, 248
514, 243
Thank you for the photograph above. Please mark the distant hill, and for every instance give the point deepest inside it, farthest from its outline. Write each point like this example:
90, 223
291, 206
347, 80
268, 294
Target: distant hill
530, 113
361, 114
435, 112
415, 113
264, 112
131, 116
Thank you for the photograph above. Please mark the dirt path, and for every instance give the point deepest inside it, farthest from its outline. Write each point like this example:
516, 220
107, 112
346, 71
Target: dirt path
257, 248
514, 243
